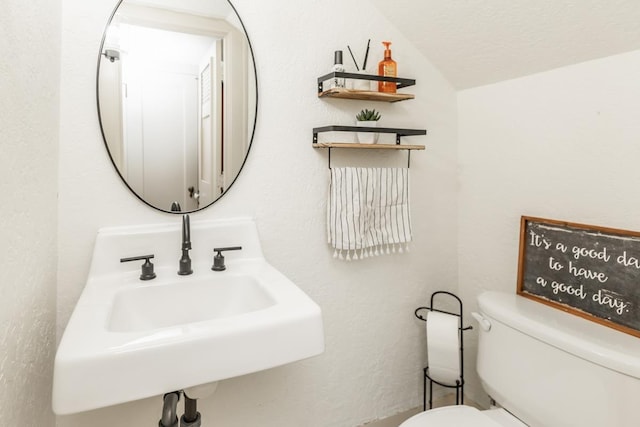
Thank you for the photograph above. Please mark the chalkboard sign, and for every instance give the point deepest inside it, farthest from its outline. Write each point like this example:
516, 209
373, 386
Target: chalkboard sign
590, 271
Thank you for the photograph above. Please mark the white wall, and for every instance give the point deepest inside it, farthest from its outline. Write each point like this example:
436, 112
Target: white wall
374, 346
29, 113
563, 144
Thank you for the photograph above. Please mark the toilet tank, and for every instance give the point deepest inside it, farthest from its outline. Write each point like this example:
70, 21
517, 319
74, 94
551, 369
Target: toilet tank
553, 369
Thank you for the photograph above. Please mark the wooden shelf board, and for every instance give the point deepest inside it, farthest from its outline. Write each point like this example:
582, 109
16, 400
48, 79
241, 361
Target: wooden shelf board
368, 146
365, 95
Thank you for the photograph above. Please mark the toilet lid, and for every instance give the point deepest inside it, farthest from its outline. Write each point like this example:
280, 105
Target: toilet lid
459, 416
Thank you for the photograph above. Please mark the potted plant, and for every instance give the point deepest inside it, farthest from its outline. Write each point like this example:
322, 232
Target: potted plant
367, 118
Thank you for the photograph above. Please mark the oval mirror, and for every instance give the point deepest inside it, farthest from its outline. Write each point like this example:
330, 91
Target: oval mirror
177, 99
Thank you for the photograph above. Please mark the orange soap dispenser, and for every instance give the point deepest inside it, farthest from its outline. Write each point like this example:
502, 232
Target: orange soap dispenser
388, 68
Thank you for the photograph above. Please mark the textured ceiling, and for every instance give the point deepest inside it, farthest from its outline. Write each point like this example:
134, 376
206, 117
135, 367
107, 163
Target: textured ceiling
476, 42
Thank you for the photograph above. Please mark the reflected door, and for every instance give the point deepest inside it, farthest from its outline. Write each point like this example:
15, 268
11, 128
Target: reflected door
162, 136
210, 167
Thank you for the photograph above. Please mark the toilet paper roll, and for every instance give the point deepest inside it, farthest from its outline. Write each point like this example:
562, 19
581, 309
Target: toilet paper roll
443, 347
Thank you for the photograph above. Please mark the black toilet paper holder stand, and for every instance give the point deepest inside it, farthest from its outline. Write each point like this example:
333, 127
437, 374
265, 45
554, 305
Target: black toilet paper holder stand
459, 385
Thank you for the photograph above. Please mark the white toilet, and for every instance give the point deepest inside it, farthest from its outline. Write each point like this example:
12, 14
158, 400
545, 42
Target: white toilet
547, 368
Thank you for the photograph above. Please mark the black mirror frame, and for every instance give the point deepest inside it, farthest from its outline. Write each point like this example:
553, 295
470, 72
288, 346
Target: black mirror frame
104, 139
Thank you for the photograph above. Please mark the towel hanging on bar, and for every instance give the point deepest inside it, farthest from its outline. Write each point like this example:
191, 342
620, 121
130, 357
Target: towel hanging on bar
368, 211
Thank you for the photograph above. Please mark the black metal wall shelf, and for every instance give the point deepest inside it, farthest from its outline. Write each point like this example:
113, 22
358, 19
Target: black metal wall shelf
357, 76
366, 95
361, 146
397, 131
363, 94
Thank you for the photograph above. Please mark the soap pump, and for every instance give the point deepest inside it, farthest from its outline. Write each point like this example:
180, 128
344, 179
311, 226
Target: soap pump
387, 68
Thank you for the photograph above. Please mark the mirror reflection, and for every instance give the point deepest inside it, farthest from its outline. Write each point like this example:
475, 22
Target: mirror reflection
177, 99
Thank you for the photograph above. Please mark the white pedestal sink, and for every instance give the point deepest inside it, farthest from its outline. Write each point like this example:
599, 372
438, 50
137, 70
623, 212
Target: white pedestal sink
129, 339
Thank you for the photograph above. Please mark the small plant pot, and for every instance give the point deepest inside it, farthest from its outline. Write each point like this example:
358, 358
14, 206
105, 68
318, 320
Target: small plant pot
367, 137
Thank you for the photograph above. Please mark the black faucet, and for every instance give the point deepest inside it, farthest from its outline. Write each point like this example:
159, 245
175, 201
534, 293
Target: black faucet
147, 267
185, 261
218, 259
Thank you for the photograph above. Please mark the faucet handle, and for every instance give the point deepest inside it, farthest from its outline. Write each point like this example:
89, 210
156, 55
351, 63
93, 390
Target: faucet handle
147, 267
218, 259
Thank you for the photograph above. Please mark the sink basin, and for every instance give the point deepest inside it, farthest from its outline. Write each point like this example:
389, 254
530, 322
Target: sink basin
143, 308
129, 339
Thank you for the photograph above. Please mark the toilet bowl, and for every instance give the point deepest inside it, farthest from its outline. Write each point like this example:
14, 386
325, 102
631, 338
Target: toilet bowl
545, 367
463, 416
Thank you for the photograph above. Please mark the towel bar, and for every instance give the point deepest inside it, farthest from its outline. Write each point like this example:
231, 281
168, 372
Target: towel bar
330, 147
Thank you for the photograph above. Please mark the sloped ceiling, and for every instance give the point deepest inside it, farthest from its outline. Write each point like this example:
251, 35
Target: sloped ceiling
477, 42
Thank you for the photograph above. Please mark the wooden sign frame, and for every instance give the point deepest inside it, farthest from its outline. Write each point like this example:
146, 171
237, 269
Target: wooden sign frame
548, 252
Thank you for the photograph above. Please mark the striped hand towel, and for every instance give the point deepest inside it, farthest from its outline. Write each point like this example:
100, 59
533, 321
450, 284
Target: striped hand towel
368, 211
